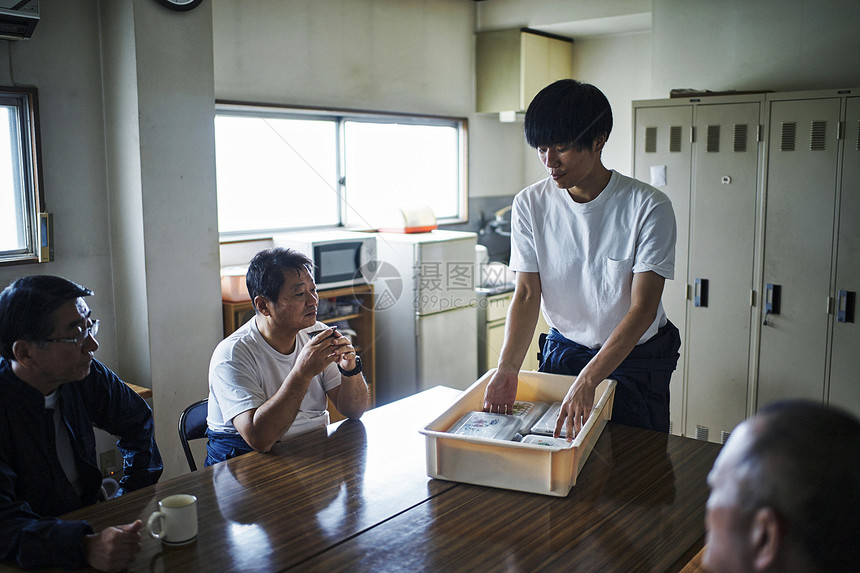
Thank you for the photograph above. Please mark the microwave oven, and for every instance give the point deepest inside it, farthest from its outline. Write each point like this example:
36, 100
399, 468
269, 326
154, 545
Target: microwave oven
341, 258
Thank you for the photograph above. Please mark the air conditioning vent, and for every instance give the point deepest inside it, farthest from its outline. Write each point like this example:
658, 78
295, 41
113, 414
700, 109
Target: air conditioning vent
724, 436
788, 136
18, 18
702, 433
650, 140
818, 136
675, 139
857, 142
713, 144
739, 141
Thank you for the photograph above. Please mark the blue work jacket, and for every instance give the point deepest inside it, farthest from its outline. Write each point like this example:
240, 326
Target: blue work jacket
34, 489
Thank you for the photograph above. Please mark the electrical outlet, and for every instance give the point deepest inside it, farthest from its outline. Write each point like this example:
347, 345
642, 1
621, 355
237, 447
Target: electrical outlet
107, 461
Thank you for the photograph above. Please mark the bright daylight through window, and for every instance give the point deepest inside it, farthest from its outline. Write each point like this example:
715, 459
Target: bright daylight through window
282, 169
20, 199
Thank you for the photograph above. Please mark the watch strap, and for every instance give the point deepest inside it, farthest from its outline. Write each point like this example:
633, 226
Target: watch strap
355, 370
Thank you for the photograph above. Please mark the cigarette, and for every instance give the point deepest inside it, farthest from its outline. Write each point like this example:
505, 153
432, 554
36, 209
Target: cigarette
315, 332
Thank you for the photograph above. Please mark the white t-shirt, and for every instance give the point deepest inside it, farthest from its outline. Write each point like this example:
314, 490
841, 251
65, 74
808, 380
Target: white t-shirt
245, 372
586, 253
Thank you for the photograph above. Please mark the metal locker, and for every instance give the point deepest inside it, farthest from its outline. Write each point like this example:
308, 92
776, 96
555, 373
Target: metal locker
723, 211
662, 157
798, 246
845, 351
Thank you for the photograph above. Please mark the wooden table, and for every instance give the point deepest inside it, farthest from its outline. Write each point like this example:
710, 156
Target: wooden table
356, 497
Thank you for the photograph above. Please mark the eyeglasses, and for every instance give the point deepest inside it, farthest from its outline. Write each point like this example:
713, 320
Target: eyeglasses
90, 330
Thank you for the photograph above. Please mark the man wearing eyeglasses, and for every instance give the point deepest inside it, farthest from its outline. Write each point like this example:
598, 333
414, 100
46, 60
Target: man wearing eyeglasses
52, 393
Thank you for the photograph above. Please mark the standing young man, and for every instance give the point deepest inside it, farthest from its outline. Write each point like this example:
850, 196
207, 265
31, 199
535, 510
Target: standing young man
593, 249
271, 377
52, 393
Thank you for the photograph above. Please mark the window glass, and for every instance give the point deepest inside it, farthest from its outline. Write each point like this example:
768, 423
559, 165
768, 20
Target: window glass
401, 164
283, 169
19, 192
275, 173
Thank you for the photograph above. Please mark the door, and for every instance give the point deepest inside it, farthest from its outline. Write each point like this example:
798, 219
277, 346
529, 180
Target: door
722, 250
845, 358
799, 226
662, 148
444, 274
447, 348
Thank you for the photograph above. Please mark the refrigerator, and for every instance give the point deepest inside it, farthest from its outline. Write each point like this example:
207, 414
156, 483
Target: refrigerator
426, 317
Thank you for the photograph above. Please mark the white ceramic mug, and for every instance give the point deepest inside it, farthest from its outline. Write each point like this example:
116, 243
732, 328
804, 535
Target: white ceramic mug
176, 518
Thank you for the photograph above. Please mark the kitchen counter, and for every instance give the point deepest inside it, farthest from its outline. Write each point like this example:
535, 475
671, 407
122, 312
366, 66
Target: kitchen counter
491, 290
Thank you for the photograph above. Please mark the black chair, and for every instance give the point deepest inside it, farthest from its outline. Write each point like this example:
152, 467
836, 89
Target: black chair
192, 426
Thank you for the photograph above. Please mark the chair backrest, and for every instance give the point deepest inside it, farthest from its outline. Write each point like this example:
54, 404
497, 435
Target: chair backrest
192, 426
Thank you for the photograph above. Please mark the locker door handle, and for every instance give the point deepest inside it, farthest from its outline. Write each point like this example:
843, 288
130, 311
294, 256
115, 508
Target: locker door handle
845, 306
772, 298
700, 293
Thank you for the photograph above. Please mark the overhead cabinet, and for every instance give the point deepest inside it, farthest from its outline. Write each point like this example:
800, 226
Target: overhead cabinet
765, 192
512, 66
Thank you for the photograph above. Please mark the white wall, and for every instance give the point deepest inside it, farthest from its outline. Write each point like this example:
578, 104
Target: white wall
412, 56
777, 45
128, 163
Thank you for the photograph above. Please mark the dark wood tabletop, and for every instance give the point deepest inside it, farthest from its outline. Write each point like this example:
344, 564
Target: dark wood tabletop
638, 505
356, 496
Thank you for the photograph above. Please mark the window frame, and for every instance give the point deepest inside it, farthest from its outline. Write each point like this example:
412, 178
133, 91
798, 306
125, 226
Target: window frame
26, 100
341, 117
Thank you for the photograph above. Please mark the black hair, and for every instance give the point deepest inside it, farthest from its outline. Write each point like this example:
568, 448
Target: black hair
809, 455
265, 275
27, 306
568, 112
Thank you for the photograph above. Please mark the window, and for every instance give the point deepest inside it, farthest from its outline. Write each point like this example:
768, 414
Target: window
280, 168
20, 189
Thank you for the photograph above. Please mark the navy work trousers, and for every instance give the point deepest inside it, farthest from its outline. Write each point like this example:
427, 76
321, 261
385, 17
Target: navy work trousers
642, 393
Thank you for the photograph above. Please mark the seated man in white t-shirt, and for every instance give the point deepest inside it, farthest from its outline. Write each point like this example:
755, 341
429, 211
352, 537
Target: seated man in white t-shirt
270, 378
592, 249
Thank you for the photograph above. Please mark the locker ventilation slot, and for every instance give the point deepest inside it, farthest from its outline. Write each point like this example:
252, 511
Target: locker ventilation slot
702, 433
724, 436
788, 136
713, 144
857, 143
650, 140
675, 138
740, 137
818, 136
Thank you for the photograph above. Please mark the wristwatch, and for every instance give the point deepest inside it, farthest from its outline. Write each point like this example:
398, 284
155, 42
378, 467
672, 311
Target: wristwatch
355, 370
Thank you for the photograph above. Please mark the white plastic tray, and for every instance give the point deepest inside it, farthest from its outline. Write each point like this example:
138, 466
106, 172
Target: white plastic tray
514, 465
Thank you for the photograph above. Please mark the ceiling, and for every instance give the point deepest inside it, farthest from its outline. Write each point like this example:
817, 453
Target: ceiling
626, 24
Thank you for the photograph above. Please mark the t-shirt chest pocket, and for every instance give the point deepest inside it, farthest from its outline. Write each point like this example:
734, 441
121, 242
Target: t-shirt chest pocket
617, 277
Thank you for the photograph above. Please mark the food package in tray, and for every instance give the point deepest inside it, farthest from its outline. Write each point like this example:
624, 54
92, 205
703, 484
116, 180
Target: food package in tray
487, 425
546, 441
529, 413
546, 425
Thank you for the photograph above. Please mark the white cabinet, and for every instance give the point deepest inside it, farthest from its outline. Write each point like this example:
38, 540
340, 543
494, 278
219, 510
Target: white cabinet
844, 389
663, 143
768, 249
512, 66
492, 314
811, 250
711, 174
